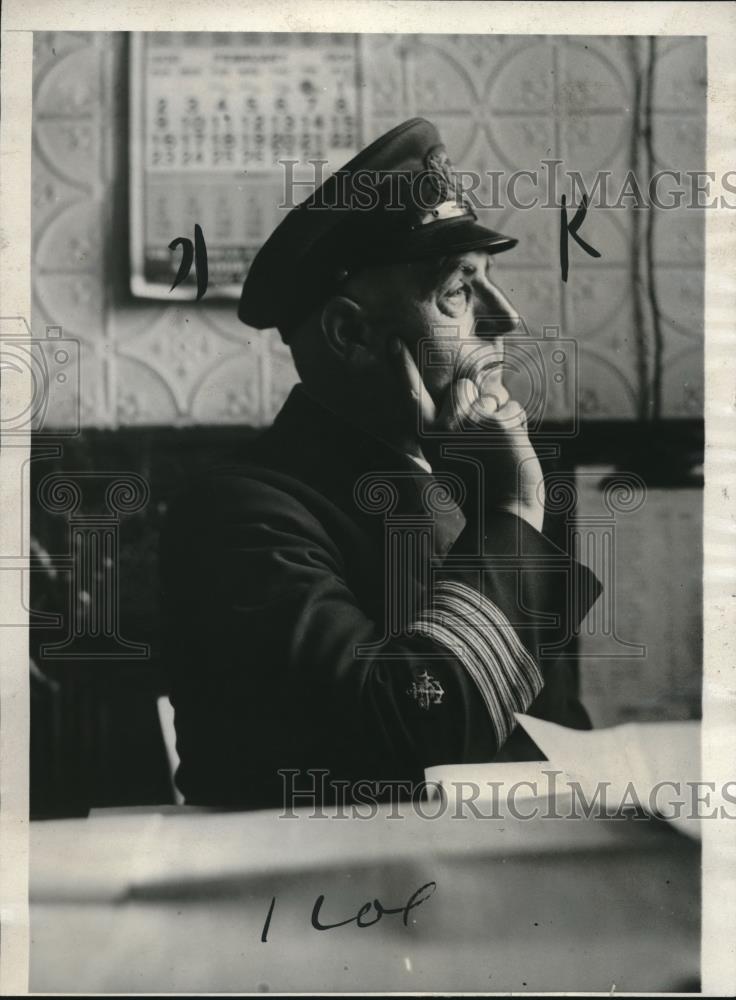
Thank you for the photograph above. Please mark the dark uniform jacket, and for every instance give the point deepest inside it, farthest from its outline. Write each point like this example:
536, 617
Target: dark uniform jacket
327, 607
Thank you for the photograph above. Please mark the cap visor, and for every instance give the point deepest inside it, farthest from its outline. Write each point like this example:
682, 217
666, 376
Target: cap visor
449, 236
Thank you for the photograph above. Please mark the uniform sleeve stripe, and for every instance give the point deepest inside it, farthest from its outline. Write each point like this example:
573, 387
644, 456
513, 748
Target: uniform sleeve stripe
477, 632
499, 623
452, 639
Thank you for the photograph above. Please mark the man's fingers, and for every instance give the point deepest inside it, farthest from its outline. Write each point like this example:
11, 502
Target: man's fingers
465, 408
487, 415
412, 385
465, 405
497, 394
458, 409
510, 417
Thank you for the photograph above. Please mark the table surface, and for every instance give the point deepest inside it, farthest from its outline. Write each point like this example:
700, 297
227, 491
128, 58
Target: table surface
176, 900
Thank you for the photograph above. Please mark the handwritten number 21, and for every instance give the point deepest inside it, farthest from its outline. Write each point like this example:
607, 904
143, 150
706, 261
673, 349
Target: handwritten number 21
192, 254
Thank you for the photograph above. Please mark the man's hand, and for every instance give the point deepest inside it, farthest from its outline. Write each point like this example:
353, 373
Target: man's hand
513, 478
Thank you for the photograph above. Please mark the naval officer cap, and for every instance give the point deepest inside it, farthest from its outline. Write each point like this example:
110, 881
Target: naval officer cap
397, 200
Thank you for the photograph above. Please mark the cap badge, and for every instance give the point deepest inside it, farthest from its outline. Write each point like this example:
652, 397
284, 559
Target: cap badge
441, 194
440, 174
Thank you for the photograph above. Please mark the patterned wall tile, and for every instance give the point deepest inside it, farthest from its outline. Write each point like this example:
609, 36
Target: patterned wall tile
442, 83
522, 80
679, 142
610, 231
231, 392
49, 195
680, 298
181, 350
501, 103
51, 46
681, 81
75, 370
69, 274
538, 233
70, 84
386, 82
70, 148
72, 240
142, 396
224, 321
679, 236
520, 143
535, 294
132, 319
596, 303
77, 298
595, 141
683, 387
608, 385
595, 77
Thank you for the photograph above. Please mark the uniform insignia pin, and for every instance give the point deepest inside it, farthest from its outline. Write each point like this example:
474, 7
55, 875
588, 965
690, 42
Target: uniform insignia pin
426, 690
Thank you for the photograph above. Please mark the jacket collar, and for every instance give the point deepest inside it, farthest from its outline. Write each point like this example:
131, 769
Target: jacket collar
360, 473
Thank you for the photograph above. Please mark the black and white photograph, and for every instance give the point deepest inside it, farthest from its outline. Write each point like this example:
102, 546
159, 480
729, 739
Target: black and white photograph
367, 439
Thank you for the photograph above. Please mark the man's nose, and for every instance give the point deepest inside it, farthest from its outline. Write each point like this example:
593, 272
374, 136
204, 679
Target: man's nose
494, 314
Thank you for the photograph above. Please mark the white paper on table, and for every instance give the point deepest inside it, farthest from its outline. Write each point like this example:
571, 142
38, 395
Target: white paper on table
658, 761
636, 760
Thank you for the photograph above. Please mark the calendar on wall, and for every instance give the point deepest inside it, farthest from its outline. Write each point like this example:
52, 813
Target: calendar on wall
220, 125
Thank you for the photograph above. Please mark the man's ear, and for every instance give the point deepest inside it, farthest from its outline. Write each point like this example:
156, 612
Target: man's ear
346, 330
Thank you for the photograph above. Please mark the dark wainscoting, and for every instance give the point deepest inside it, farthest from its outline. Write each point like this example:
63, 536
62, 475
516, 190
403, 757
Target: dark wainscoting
95, 737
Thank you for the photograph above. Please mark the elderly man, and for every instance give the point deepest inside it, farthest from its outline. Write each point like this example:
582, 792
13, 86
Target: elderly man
366, 590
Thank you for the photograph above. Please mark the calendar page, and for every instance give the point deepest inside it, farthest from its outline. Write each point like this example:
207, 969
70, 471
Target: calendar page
219, 124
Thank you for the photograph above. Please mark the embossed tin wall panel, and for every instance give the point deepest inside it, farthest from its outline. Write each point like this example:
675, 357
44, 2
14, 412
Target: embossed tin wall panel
501, 103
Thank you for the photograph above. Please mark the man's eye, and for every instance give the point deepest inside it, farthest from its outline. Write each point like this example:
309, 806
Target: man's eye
456, 293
